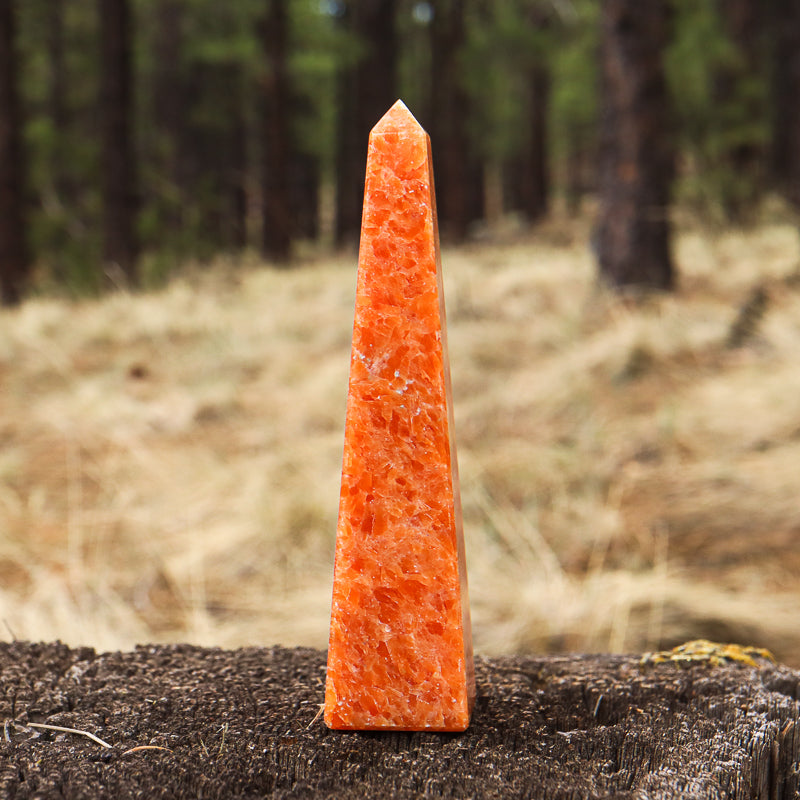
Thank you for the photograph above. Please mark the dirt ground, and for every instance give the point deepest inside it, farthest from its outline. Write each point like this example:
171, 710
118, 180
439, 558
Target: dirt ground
185, 722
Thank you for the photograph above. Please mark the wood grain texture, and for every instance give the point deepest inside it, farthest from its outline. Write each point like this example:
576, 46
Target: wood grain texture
245, 724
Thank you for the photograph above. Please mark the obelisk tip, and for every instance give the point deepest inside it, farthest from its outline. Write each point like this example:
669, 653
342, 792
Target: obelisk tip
398, 116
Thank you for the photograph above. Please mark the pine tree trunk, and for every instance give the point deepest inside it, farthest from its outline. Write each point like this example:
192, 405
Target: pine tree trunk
120, 200
493, 196
14, 256
56, 101
448, 132
276, 221
170, 113
304, 183
744, 156
228, 156
785, 146
237, 167
305, 195
534, 175
367, 92
636, 156
62, 195
350, 165
574, 172
529, 176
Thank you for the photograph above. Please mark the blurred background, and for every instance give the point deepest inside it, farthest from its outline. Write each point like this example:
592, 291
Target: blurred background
618, 186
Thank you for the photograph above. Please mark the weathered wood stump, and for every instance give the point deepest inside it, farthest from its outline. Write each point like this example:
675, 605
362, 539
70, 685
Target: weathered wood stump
244, 724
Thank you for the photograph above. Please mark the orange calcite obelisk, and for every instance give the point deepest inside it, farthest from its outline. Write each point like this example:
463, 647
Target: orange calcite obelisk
400, 651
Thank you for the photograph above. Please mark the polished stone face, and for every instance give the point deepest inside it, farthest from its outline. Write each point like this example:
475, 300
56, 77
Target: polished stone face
400, 653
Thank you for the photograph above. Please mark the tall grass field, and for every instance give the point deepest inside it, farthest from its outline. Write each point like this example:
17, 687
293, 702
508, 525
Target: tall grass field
630, 467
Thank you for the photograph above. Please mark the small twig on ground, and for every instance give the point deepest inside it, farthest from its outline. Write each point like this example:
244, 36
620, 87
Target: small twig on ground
41, 725
224, 730
146, 747
597, 706
9, 723
317, 715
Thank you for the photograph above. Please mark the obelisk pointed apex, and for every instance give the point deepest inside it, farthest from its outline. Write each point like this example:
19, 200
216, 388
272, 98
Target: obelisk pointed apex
396, 118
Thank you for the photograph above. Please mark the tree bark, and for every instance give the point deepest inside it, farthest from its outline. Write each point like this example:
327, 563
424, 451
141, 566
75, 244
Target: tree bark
57, 65
535, 177
304, 182
120, 191
56, 101
528, 176
185, 722
636, 149
14, 255
785, 146
236, 171
450, 104
744, 22
580, 163
277, 228
368, 90
61, 196
305, 195
170, 107
229, 142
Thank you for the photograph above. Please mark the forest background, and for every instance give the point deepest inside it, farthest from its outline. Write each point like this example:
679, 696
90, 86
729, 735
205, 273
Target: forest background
142, 134
180, 196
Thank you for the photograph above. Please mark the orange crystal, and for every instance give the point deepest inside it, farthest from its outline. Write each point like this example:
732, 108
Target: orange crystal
400, 652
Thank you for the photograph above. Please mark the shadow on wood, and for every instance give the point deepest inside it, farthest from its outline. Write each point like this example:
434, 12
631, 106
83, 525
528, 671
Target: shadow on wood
245, 724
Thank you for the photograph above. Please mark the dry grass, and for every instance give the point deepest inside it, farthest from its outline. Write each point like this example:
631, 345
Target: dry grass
170, 462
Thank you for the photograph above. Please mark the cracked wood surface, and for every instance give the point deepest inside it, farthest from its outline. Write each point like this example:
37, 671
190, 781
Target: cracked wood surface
187, 722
